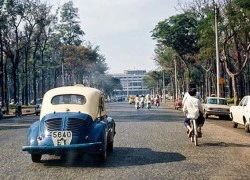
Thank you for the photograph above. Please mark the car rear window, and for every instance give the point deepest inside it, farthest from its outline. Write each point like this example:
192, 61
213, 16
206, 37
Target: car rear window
215, 101
68, 99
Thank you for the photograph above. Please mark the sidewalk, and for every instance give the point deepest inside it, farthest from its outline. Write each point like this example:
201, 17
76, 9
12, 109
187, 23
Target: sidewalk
168, 103
26, 111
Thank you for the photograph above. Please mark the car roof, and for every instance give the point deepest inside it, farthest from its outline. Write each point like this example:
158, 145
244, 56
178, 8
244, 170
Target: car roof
91, 107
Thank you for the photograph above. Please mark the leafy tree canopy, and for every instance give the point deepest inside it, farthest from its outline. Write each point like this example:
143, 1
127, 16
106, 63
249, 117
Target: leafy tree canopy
178, 32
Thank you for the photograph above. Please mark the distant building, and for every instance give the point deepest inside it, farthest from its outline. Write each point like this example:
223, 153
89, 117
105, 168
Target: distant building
132, 83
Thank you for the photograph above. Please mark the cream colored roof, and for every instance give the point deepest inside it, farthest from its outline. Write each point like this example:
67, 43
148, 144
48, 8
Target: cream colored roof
91, 107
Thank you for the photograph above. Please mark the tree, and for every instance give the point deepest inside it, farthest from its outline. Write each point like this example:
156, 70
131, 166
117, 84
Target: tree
179, 33
69, 28
14, 17
109, 84
236, 47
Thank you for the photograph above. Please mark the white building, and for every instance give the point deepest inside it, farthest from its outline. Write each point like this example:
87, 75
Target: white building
132, 83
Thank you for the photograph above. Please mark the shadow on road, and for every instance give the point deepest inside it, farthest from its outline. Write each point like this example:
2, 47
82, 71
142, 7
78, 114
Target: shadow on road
16, 123
121, 157
223, 144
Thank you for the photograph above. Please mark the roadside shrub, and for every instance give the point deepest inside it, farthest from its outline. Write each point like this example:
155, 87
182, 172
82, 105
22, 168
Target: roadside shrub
230, 100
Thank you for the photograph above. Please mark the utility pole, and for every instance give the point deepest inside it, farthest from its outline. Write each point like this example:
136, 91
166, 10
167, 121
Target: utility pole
163, 84
63, 82
216, 9
175, 78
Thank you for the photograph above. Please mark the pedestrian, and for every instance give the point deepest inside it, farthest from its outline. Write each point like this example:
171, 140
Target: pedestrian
18, 106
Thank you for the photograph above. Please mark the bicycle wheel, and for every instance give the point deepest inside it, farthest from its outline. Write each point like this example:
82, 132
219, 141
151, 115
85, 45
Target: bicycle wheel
195, 133
192, 138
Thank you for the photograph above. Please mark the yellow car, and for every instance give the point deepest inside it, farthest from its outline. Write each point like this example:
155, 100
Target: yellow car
131, 99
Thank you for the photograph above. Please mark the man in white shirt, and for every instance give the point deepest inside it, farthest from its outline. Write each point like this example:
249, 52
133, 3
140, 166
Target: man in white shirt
193, 109
137, 102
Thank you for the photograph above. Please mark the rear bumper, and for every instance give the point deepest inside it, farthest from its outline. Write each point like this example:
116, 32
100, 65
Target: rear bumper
217, 113
87, 147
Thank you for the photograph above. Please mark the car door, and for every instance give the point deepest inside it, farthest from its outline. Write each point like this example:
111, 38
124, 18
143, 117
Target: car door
239, 111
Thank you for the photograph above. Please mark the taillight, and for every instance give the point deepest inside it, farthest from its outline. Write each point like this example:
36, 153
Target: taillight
39, 138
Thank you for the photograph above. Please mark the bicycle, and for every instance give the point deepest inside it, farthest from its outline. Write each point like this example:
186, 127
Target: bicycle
194, 134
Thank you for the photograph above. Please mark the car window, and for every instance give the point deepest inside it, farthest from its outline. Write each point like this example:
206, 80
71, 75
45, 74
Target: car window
223, 101
245, 102
212, 101
101, 103
242, 101
68, 99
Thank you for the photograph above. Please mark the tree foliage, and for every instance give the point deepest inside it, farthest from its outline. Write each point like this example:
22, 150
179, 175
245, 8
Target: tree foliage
41, 48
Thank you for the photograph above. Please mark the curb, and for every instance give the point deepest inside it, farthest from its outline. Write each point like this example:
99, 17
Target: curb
25, 113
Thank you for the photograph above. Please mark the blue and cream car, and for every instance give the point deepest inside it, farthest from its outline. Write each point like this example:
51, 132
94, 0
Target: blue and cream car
72, 119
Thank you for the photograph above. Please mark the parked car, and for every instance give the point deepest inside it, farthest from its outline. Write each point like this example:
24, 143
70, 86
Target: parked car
240, 114
216, 106
178, 103
38, 106
73, 119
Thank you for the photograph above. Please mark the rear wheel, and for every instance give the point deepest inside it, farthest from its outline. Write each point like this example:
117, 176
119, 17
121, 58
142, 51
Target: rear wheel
192, 138
110, 146
195, 133
103, 154
36, 158
235, 125
195, 140
247, 128
206, 115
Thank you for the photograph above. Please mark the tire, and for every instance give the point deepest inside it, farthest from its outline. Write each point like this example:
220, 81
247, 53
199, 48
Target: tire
206, 115
36, 158
235, 125
195, 140
221, 117
110, 146
192, 138
103, 154
247, 128
195, 134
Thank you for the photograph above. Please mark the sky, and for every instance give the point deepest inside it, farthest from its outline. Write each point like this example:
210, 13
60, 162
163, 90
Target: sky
121, 28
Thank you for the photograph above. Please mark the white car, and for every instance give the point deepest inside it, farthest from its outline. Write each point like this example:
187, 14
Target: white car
240, 114
216, 106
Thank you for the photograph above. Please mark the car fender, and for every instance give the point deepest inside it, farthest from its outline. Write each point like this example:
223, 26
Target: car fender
33, 134
98, 131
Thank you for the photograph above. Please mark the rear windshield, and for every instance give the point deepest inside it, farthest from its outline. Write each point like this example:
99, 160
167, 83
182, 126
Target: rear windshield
215, 101
68, 99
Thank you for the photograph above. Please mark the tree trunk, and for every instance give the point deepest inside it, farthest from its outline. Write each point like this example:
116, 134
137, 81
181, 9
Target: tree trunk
1, 69
236, 99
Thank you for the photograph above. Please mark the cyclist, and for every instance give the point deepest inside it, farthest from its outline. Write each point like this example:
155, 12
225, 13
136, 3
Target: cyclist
157, 100
148, 101
137, 102
142, 99
193, 110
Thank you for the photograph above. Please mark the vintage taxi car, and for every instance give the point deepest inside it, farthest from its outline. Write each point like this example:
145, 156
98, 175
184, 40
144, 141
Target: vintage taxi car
241, 114
216, 106
72, 119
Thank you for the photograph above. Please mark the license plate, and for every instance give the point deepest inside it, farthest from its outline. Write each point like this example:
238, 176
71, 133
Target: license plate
61, 138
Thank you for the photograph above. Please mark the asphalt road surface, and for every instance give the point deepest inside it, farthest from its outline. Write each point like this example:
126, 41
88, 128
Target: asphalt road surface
149, 144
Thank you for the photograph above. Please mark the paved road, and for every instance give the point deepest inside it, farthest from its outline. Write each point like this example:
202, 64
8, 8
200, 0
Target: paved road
149, 144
